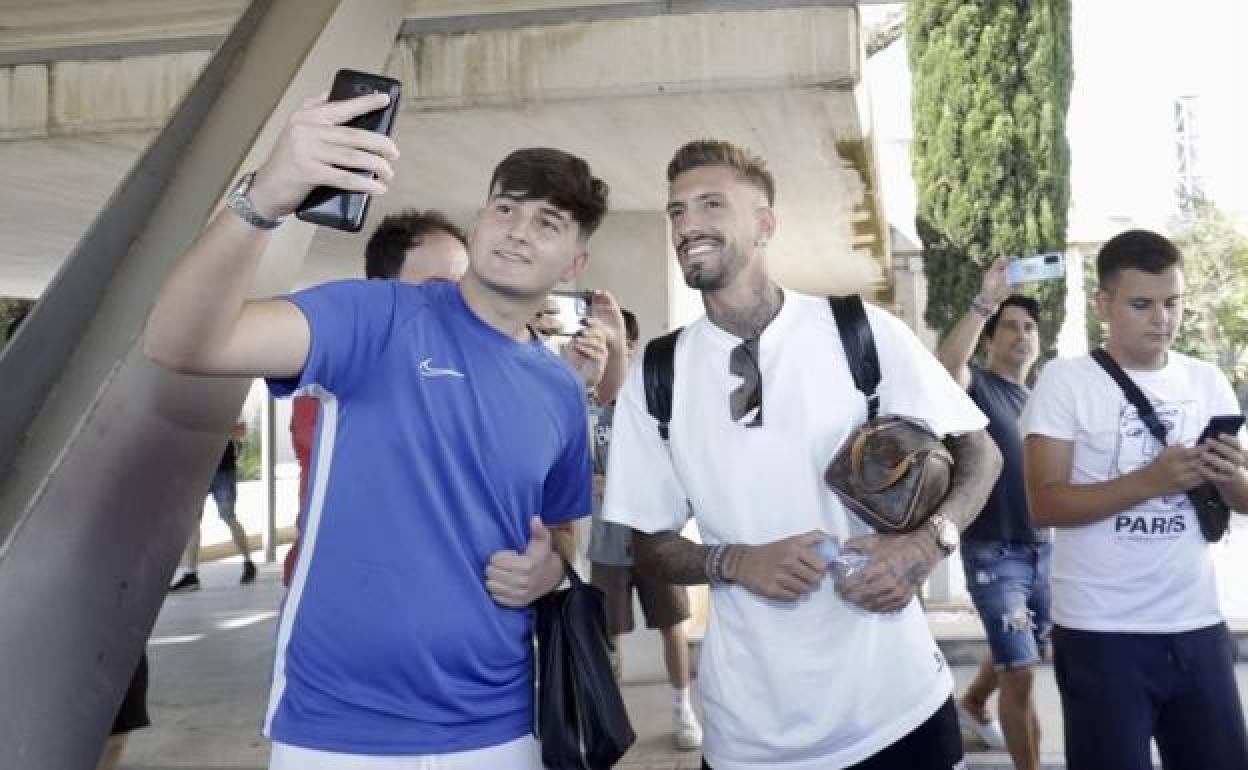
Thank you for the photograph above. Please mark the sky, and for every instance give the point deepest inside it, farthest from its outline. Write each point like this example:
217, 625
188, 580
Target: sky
1132, 59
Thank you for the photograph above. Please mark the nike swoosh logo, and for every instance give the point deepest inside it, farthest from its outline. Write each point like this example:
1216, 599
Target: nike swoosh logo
427, 369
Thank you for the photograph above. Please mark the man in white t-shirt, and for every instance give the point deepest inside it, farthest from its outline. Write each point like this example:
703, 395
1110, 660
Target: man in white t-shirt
1141, 649
796, 672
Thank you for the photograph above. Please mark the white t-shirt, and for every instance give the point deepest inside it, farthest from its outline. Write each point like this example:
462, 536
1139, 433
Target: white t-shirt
1148, 568
814, 684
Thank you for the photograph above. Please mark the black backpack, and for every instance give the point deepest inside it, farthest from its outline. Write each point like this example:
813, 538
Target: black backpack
659, 370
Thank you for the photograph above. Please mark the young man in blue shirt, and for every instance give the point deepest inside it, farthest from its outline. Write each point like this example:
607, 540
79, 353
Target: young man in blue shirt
451, 454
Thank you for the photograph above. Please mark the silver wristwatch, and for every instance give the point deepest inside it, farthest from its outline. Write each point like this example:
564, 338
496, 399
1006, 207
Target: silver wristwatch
238, 201
946, 532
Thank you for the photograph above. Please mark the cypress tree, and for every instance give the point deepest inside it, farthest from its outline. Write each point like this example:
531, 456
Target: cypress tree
991, 87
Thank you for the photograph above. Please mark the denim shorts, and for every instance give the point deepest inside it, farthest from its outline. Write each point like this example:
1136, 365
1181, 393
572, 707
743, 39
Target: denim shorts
1009, 585
224, 492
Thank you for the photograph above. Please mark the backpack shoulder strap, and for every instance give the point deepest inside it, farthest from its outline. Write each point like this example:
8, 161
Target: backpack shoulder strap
1129, 389
658, 373
859, 344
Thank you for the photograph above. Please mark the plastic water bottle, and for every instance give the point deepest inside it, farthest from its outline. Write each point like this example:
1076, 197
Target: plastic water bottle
841, 562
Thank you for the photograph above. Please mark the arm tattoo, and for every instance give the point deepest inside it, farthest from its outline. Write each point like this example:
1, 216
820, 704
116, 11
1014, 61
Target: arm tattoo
916, 574
669, 557
976, 465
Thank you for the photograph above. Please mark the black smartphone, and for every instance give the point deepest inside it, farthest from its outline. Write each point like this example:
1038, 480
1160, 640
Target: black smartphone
1222, 424
339, 209
573, 310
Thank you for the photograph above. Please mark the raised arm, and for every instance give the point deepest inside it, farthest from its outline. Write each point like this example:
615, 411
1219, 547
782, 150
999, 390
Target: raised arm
598, 352
606, 310
958, 346
202, 322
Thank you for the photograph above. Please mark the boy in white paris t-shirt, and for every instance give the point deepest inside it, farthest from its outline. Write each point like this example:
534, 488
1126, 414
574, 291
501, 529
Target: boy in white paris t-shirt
1141, 649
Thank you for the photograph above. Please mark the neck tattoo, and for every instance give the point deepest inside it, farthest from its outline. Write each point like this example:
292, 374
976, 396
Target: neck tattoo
750, 321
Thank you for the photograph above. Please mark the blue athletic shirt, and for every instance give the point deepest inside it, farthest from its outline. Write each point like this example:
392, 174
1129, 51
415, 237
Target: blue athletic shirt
439, 438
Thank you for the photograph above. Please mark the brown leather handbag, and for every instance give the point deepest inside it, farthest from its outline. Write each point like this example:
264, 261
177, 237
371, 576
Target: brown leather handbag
893, 472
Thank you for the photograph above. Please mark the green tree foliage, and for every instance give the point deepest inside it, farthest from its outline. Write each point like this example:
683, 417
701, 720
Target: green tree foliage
1096, 329
991, 163
1215, 305
249, 452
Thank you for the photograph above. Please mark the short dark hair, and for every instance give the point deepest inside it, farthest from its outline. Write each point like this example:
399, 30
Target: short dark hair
387, 246
715, 152
1135, 249
542, 173
1029, 305
631, 331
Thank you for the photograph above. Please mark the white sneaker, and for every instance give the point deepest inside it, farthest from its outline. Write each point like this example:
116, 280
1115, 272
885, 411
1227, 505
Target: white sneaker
688, 731
987, 732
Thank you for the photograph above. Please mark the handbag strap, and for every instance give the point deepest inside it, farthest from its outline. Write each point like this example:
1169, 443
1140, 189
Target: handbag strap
1129, 389
574, 580
859, 344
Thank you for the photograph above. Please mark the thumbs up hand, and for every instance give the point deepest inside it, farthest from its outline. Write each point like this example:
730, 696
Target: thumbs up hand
517, 579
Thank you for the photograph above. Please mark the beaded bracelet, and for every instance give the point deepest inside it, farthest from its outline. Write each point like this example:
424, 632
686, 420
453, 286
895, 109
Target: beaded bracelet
719, 554
715, 564
982, 309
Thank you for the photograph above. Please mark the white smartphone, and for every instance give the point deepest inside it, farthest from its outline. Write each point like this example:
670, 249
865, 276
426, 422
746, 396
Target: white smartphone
1040, 267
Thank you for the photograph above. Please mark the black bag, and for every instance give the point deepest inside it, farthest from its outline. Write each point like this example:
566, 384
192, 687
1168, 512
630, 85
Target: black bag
581, 721
1211, 510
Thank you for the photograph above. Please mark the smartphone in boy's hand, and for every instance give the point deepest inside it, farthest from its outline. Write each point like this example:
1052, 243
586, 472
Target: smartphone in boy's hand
1221, 425
336, 208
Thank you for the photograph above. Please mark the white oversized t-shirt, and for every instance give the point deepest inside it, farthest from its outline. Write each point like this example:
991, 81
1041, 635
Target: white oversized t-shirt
813, 684
1146, 569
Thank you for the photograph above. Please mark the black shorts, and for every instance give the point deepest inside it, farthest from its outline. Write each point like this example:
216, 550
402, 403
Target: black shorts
663, 604
132, 714
1121, 690
934, 745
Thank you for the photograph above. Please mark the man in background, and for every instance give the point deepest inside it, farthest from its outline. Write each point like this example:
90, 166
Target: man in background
664, 605
412, 246
1005, 557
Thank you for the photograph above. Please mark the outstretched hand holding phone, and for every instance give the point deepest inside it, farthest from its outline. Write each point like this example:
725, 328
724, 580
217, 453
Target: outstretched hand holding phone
316, 149
334, 206
202, 322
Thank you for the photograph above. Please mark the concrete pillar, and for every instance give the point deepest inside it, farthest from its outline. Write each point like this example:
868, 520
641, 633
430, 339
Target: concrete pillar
630, 256
106, 457
268, 476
